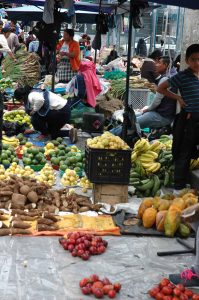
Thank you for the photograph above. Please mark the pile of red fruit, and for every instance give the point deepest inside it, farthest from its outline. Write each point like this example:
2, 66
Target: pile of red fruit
166, 290
99, 288
83, 245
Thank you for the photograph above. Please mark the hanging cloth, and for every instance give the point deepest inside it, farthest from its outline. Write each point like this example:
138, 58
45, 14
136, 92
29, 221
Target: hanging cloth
97, 41
48, 14
92, 83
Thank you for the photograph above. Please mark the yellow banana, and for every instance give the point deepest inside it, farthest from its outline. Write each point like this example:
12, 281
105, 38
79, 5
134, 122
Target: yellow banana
141, 145
152, 153
155, 145
153, 167
133, 156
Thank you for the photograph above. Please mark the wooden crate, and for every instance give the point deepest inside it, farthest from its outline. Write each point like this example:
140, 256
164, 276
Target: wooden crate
110, 193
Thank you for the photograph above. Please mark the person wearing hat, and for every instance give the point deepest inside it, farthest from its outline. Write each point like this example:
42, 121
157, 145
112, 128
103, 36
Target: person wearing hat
68, 57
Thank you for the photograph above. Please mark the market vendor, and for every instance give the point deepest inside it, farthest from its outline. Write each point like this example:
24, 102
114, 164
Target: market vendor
4, 48
162, 110
68, 57
49, 112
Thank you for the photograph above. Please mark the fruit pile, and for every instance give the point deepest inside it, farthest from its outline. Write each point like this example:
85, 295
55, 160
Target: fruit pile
19, 171
8, 156
69, 178
68, 158
165, 213
83, 245
85, 184
17, 116
107, 141
99, 288
34, 156
166, 290
47, 175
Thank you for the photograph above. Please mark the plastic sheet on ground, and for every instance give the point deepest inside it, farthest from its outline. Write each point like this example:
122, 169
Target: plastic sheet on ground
39, 268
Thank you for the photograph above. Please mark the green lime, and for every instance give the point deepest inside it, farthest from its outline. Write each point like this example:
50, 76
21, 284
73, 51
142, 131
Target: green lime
63, 167
41, 150
4, 155
55, 161
34, 151
61, 153
15, 160
27, 161
59, 140
6, 162
35, 162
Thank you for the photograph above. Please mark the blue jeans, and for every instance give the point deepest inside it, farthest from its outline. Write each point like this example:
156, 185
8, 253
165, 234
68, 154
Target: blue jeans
152, 119
149, 119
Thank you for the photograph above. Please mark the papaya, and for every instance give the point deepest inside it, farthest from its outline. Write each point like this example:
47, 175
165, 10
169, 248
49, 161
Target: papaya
179, 202
146, 203
149, 217
172, 220
160, 218
164, 204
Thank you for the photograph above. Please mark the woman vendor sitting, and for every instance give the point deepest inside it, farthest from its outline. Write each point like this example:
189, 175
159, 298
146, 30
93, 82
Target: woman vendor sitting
49, 112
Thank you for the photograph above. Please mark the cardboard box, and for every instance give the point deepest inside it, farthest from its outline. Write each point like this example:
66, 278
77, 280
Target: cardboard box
110, 193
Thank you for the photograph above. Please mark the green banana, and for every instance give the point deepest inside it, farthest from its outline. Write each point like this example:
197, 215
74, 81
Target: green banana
134, 175
156, 185
146, 185
134, 180
166, 179
136, 184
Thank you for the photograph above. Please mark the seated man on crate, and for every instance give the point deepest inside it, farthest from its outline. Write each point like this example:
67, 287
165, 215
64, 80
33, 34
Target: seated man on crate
162, 110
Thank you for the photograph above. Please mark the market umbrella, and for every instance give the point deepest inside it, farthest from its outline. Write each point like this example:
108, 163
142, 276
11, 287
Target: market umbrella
35, 13
192, 4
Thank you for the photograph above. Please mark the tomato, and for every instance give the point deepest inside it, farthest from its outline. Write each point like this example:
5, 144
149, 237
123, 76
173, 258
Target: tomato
181, 287
167, 298
167, 290
159, 296
175, 298
164, 282
195, 297
188, 293
171, 285
153, 292
176, 292
183, 297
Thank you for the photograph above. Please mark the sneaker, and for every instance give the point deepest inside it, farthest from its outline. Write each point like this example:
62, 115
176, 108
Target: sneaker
73, 135
188, 277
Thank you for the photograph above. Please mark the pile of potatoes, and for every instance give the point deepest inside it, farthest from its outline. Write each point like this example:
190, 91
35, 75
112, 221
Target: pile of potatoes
26, 193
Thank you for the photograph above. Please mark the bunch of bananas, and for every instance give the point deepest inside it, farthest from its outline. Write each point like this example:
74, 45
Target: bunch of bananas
166, 140
142, 152
145, 187
194, 164
10, 141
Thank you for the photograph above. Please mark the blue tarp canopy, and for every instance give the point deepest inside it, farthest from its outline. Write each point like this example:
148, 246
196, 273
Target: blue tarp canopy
83, 6
35, 13
194, 4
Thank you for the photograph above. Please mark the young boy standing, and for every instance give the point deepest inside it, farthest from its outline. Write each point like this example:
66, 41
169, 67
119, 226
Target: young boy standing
186, 126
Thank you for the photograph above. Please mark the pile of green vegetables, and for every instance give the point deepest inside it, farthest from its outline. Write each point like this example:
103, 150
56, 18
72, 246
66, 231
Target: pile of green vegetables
26, 69
114, 75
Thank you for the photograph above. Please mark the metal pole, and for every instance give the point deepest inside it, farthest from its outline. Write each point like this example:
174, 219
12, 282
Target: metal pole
100, 6
125, 122
54, 67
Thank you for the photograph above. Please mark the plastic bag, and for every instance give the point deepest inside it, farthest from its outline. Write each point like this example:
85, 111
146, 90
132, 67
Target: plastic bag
77, 112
